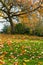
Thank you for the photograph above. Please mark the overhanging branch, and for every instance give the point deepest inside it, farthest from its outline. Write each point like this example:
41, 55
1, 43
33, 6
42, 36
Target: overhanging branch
26, 12
18, 14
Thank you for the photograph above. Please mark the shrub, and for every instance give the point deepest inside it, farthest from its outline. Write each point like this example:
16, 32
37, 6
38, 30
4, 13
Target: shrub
27, 30
39, 30
21, 29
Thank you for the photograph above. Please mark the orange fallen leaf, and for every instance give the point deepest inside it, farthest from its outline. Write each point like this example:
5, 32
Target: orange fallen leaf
16, 63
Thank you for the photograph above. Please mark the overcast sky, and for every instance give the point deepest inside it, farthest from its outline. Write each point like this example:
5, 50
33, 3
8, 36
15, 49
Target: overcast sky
1, 26
2, 23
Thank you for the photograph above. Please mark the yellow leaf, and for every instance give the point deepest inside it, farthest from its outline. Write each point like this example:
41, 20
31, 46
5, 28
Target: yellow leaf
24, 63
26, 60
0, 64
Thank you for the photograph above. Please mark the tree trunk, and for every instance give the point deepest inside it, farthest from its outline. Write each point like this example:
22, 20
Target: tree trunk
12, 26
11, 23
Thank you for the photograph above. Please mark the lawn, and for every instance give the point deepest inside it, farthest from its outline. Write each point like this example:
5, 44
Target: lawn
21, 50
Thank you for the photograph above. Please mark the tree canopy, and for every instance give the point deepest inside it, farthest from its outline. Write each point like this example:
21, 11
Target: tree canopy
15, 9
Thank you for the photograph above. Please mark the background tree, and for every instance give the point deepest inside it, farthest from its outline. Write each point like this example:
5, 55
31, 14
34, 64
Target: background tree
15, 9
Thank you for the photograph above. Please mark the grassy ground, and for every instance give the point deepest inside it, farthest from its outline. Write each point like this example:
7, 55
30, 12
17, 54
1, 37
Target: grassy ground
21, 50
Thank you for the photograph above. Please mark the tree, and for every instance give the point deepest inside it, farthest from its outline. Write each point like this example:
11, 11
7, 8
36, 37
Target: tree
20, 7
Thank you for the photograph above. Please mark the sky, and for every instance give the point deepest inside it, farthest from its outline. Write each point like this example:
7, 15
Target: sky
1, 26
2, 23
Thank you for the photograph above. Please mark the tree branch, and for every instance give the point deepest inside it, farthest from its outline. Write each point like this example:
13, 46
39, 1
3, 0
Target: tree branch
26, 12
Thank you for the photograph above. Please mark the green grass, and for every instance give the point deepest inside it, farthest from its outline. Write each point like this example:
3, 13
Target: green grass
28, 52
